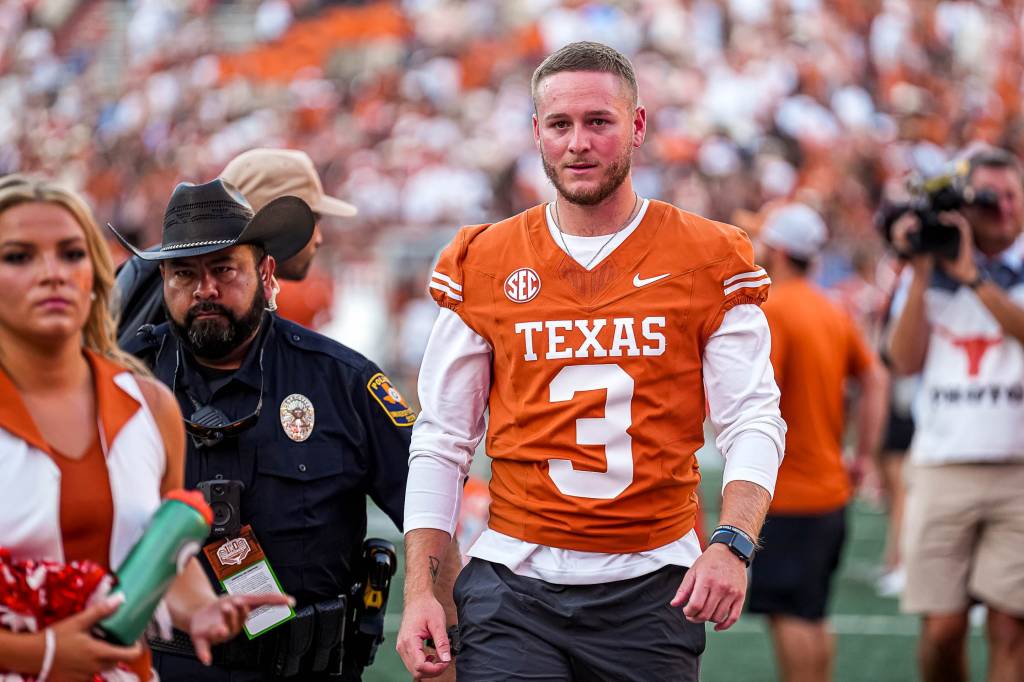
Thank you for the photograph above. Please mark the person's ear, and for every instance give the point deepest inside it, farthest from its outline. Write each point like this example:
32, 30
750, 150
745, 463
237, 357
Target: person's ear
639, 125
266, 269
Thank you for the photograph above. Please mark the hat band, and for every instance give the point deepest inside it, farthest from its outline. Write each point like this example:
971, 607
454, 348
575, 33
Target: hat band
189, 245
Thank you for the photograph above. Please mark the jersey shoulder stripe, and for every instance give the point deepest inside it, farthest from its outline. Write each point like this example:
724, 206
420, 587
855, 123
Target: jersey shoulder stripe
763, 281
753, 274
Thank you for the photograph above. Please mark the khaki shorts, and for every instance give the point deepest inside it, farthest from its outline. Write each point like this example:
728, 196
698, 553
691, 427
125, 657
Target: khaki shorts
963, 537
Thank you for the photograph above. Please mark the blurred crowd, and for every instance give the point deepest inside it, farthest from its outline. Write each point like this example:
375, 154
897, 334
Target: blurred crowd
418, 111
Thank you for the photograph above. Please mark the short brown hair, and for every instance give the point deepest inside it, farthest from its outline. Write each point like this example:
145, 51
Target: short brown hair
993, 157
586, 56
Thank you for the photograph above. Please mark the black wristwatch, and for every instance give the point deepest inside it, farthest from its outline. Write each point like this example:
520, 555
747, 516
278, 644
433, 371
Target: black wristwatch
738, 542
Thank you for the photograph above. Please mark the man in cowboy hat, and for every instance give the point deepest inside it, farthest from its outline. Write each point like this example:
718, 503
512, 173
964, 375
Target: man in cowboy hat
261, 175
289, 430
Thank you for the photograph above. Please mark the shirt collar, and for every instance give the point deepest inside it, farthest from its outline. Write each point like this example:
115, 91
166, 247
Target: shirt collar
1012, 256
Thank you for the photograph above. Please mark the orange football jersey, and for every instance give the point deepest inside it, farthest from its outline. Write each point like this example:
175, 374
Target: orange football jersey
596, 405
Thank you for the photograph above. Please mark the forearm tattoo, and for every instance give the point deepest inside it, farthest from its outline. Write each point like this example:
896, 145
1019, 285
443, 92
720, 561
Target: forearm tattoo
435, 568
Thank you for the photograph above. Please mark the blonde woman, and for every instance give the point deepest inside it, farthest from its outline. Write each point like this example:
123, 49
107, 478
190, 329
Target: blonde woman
88, 442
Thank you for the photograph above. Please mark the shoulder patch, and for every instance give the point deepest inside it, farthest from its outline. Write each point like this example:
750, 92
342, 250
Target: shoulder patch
391, 400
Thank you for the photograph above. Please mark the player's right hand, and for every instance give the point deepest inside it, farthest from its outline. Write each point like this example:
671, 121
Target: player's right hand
713, 588
423, 618
79, 654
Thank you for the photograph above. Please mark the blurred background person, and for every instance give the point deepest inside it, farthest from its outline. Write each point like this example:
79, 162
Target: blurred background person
961, 326
262, 175
815, 348
896, 439
90, 442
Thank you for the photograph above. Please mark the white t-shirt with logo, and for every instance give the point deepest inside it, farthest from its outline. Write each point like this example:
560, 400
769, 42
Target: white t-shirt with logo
970, 406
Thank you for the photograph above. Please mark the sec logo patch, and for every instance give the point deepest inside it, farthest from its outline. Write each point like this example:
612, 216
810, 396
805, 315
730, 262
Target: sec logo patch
391, 400
522, 286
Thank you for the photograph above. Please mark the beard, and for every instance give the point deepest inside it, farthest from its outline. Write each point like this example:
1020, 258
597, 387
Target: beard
615, 175
212, 338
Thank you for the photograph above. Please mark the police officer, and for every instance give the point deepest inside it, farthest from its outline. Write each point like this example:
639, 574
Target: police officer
298, 427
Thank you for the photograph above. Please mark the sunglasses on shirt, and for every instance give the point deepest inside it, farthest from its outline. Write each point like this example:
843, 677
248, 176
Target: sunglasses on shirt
208, 425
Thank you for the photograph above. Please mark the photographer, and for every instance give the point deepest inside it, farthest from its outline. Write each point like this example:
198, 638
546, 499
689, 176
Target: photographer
961, 326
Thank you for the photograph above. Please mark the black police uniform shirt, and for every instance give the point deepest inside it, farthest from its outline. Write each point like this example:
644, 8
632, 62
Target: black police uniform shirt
306, 501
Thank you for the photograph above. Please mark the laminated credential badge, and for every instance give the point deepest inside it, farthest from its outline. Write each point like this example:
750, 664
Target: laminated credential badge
242, 568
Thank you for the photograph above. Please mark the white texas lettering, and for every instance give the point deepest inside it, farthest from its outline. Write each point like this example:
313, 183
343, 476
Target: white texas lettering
590, 339
555, 339
647, 329
527, 329
598, 338
624, 338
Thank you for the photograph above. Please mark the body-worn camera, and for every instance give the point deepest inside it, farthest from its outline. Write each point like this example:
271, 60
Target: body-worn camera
225, 499
928, 198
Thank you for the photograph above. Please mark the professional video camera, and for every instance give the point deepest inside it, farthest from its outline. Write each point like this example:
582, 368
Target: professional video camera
928, 198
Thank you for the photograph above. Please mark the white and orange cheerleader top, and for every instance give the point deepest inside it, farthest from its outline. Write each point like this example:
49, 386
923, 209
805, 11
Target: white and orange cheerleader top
31, 481
95, 507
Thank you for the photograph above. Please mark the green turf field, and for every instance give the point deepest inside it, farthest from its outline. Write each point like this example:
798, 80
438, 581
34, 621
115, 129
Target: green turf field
875, 642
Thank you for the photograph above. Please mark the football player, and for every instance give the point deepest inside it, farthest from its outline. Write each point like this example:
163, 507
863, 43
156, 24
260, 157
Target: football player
589, 328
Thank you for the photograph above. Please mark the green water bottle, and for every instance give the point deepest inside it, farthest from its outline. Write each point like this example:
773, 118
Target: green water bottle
174, 535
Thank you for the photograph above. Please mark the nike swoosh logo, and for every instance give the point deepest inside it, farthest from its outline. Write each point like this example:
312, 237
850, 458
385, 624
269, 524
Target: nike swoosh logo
637, 282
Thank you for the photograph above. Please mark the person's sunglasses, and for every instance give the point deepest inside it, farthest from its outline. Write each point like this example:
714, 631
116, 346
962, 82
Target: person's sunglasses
208, 425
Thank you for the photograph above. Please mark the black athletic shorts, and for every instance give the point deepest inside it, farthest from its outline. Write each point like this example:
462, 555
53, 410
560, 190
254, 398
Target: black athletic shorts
792, 573
514, 628
899, 431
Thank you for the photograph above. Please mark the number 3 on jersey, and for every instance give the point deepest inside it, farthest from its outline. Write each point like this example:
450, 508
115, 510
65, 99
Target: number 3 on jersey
609, 431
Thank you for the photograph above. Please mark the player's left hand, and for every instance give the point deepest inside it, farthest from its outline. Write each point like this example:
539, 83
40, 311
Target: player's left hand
714, 588
222, 619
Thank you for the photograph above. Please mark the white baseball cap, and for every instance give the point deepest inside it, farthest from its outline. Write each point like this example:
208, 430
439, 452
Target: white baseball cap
795, 229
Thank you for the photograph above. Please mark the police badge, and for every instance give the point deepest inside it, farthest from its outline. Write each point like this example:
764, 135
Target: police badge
297, 417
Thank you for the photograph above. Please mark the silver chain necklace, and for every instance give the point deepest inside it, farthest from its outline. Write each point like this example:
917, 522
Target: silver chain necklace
561, 235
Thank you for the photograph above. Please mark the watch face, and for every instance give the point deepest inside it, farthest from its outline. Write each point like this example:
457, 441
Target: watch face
743, 546
737, 543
